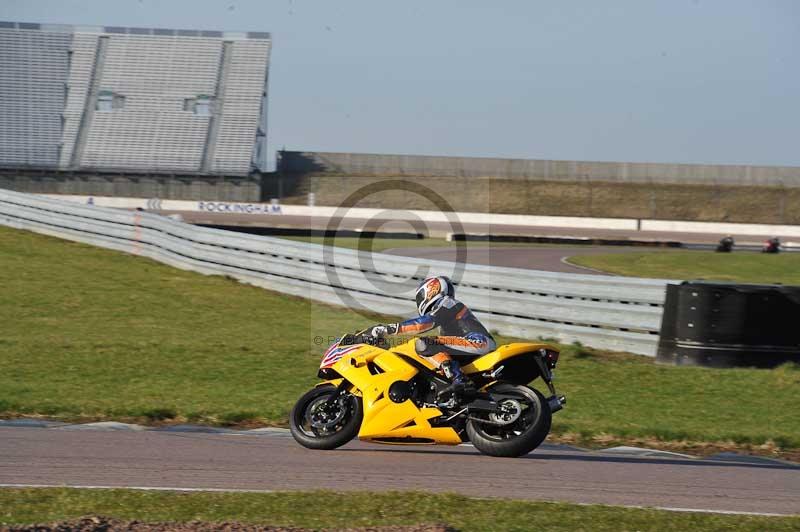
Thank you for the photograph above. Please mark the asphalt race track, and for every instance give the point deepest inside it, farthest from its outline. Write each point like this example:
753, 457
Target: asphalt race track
80, 456
551, 259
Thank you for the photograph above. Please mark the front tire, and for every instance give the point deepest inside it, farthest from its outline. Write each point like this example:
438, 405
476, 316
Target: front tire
520, 437
316, 424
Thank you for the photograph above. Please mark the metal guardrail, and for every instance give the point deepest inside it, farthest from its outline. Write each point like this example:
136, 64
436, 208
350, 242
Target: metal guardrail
602, 311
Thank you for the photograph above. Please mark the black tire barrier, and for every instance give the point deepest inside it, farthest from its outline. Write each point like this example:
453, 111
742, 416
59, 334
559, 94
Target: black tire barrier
726, 325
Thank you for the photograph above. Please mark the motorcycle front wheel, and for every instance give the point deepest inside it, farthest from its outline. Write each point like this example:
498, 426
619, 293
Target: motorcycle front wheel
520, 429
318, 423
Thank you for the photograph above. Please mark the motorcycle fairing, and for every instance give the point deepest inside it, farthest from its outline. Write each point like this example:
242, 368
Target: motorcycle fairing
482, 364
372, 371
335, 353
491, 361
408, 349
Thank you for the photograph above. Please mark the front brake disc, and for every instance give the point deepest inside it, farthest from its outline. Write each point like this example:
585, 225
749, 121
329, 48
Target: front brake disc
320, 417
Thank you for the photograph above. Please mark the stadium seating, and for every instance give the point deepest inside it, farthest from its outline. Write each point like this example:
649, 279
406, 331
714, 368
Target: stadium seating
33, 73
133, 98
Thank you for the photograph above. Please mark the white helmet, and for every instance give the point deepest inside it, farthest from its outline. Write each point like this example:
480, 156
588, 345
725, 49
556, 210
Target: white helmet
431, 291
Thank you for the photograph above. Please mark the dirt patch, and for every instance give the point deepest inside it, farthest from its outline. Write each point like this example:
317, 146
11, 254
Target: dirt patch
105, 524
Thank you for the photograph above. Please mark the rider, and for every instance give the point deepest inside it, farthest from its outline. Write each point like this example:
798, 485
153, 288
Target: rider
462, 333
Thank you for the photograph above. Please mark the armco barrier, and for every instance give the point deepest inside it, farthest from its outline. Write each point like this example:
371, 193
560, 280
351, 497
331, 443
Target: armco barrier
607, 312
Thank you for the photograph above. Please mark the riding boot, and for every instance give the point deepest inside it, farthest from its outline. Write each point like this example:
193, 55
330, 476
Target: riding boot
461, 387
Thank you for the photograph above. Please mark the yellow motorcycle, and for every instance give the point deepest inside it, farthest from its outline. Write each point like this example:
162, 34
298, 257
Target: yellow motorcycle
390, 394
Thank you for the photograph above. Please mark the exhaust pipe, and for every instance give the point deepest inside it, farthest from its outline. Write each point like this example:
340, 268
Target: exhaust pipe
556, 402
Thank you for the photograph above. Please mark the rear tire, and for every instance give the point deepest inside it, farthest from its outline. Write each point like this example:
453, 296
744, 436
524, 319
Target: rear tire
314, 427
520, 437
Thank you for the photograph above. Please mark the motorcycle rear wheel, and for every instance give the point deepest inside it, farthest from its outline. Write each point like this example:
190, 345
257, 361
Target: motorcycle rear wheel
517, 438
316, 424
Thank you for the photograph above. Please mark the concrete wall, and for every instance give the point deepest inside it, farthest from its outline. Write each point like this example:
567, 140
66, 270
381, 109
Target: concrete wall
197, 188
585, 198
361, 164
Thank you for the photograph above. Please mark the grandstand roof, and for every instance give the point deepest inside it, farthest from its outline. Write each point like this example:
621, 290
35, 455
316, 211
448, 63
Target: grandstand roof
74, 28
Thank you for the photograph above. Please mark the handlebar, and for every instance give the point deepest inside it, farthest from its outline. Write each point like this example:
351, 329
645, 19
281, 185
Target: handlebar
361, 338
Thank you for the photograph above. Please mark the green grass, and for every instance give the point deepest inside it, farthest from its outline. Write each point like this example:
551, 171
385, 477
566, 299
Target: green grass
627, 396
89, 333
358, 509
98, 334
745, 267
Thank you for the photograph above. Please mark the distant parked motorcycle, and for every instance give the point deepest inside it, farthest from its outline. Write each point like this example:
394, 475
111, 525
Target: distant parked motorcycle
390, 394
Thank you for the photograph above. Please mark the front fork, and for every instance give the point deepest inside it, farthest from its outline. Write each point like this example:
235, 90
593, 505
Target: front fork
341, 389
555, 401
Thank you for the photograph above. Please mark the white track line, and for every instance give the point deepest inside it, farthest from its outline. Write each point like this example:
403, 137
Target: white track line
234, 490
702, 511
565, 260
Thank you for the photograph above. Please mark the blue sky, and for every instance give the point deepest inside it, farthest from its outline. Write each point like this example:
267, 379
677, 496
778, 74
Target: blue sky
714, 81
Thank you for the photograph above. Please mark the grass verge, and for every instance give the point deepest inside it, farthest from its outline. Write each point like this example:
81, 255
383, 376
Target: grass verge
744, 267
91, 334
358, 509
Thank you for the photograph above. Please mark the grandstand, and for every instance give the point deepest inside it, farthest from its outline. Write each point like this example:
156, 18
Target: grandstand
146, 100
